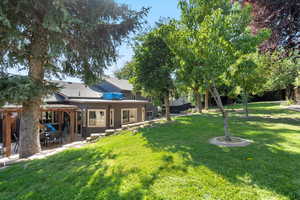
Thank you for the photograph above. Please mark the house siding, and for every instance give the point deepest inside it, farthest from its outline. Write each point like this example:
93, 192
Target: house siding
87, 131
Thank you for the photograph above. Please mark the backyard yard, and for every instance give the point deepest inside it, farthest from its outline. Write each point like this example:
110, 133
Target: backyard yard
173, 161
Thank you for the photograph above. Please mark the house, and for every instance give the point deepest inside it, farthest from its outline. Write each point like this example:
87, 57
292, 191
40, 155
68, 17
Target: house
79, 110
95, 113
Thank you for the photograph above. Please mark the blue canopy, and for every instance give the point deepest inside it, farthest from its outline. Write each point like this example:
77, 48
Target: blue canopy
113, 96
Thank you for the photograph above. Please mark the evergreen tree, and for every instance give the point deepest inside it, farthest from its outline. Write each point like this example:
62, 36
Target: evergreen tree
53, 38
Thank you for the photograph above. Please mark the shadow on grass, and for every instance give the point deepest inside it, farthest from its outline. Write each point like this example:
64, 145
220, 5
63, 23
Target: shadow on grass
267, 113
74, 174
266, 162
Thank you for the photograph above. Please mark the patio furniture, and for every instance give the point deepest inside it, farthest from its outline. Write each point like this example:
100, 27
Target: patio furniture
55, 137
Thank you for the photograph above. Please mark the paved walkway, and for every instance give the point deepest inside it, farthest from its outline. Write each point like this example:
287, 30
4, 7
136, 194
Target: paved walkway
4, 162
294, 108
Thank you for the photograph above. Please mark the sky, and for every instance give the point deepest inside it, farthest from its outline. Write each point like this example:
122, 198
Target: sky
158, 9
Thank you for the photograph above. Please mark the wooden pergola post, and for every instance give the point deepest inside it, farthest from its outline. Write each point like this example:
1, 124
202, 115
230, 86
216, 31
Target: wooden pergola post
72, 125
76, 124
7, 134
59, 119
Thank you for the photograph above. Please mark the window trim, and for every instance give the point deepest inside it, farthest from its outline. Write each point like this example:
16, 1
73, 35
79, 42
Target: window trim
136, 115
150, 111
54, 116
88, 117
143, 114
112, 117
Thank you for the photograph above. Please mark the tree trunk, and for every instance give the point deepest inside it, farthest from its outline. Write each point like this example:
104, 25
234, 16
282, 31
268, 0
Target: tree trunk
167, 106
287, 93
206, 99
29, 128
217, 98
245, 102
198, 101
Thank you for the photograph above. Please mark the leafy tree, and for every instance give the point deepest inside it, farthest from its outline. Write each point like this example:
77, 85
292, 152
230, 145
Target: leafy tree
219, 36
125, 72
154, 65
188, 74
248, 77
282, 17
58, 37
282, 72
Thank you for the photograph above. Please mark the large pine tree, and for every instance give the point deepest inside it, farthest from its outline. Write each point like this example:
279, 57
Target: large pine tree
57, 37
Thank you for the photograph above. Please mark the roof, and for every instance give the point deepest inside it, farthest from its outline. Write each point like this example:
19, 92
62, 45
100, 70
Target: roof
13, 107
106, 101
77, 90
81, 93
54, 98
119, 83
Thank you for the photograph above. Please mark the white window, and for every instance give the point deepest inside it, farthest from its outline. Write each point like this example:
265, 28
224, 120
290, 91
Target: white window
50, 117
111, 116
129, 115
96, 118
143, 114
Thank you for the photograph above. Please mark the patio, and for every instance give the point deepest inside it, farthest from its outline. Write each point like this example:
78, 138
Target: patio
59, 125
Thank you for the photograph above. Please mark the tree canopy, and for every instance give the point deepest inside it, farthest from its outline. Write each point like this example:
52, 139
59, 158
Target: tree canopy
75, 38
56, 38
247, 77
219, 35
154, 65
282, 17
126, 72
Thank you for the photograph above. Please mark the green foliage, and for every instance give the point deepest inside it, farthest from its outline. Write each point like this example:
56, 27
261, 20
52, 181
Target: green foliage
172, 161
282, 71
154, 64
18, 89
60, 37
189, 75
222, 35
126, 72
70, 37
248, 74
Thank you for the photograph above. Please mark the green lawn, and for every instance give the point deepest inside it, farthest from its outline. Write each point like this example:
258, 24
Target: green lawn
173, 161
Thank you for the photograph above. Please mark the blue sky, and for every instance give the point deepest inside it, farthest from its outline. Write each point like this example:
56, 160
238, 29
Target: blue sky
158, 9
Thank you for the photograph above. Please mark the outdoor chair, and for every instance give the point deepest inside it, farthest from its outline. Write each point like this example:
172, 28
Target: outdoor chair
44, 139
55, 137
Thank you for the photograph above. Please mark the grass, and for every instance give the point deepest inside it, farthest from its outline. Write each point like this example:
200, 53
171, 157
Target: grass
173, 161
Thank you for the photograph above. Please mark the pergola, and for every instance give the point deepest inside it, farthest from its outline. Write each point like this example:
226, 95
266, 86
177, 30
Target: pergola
60, 108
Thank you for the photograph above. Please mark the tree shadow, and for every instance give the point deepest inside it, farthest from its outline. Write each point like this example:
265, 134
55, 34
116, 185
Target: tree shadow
269, 162
77, 174
268, 113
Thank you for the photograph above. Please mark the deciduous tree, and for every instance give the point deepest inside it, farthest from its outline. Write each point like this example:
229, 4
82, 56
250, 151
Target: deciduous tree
125, 72
220, 36
154, 65
248, 77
